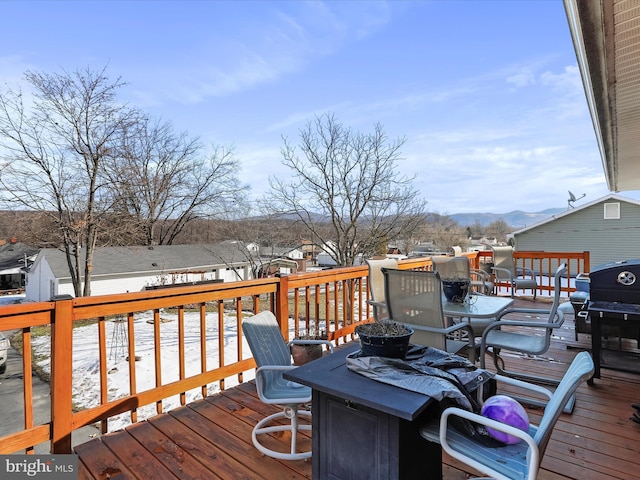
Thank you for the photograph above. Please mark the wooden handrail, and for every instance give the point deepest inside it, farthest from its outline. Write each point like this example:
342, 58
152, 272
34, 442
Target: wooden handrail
334, 299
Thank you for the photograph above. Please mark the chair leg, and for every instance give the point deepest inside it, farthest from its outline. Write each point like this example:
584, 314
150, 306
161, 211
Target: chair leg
264, 426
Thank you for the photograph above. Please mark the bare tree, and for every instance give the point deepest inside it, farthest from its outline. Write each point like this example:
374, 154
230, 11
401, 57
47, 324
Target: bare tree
162, 181
346, 189
444, 232
55, 143
499, 229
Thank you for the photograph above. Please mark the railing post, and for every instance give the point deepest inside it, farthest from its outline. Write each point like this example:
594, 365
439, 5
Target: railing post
62, 374
282, 305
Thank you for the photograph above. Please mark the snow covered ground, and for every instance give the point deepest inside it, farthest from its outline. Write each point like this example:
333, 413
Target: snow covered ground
86, 373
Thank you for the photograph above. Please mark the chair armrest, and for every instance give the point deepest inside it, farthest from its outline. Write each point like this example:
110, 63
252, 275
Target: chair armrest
524, 271
516, 323
446, 330
469, 455
381, 306
523, 310
507, 273
274, 368
530, 323
311, 342
481, 279
480, 273
524, 385
373, 303
377, 305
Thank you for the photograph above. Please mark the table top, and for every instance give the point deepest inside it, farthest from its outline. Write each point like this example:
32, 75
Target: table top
330, 375
477, 306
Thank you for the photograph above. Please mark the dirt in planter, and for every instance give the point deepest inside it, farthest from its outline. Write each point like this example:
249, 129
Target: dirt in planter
384, 329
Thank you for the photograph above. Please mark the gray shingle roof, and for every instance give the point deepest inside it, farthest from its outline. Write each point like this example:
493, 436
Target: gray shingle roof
167, 258
12, 254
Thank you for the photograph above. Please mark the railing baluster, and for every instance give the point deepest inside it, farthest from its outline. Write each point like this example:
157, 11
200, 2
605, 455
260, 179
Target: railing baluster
203, 344
133, 386
181, 359
28, 381
157, 354
221, 337
102, 359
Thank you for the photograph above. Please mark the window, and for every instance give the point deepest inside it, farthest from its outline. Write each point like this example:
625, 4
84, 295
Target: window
612, 211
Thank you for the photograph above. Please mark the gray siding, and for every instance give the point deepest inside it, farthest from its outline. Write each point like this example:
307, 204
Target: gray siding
587, 230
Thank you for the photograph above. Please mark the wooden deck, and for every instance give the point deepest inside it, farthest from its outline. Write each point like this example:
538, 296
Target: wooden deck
211, 438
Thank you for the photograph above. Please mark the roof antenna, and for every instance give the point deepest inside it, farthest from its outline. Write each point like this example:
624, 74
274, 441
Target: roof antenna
572, 199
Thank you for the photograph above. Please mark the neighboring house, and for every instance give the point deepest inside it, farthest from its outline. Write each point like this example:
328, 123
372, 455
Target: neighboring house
15, 259
132, 269
310, 250
281, 260
425, 250
325, 260
395, 252
282, 252
278, 266
608, 228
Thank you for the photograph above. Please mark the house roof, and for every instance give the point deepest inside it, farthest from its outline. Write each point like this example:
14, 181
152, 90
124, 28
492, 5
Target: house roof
607, 44
557, 216
159, 258
12, 255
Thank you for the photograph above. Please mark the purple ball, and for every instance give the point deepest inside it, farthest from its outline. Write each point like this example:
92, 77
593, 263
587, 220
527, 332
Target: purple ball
505, 409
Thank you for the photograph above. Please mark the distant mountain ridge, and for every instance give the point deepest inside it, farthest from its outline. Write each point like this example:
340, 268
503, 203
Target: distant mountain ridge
516, 219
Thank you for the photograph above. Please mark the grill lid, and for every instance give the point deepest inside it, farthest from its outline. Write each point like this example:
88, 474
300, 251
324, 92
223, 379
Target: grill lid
616, 282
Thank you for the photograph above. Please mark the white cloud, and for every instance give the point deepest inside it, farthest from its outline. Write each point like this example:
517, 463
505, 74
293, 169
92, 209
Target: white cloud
522, 79
569, 79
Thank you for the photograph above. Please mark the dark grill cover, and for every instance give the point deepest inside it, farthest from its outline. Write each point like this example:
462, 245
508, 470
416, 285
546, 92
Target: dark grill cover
616, 282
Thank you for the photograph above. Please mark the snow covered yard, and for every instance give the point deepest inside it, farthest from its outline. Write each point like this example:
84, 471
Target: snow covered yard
86, 367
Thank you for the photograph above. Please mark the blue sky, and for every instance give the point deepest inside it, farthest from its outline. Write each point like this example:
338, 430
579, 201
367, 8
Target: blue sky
487, 93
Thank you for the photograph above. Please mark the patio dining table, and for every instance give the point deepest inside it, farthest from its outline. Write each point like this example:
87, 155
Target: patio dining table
476, 306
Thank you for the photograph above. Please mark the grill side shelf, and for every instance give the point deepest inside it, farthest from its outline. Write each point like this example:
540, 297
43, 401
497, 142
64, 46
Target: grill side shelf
600, 307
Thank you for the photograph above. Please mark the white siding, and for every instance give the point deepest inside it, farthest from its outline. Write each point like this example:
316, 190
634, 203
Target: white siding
38, 282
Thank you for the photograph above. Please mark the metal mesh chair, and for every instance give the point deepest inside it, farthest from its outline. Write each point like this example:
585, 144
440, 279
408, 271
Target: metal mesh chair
376, 285
415, 299
273, 358
529, 337
452, 268
517, 461
505, 270
459, 266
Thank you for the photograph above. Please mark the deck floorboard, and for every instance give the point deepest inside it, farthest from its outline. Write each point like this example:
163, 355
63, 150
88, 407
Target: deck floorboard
211, 438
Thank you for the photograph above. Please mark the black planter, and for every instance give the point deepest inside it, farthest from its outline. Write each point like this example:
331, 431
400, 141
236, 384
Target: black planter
391, 346
456, 290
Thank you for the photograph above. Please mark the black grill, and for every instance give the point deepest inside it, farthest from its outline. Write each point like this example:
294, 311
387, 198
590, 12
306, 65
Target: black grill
617, 282
614, 301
